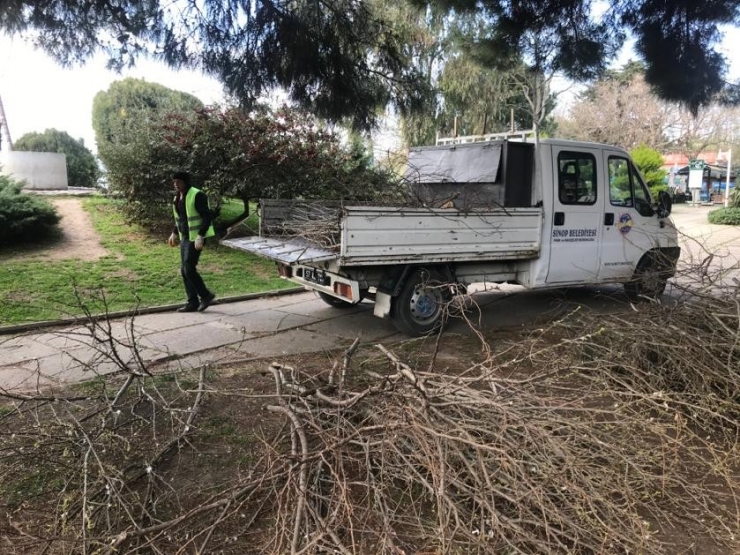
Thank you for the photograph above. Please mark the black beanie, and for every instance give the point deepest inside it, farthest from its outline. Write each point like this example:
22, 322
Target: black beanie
184, 176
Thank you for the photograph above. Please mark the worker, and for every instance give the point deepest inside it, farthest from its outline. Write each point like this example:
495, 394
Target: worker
193, 224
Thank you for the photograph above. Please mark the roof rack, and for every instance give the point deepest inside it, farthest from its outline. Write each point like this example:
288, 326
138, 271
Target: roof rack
523, 134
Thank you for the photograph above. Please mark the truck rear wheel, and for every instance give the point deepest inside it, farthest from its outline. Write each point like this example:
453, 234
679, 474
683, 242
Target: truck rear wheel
420, 307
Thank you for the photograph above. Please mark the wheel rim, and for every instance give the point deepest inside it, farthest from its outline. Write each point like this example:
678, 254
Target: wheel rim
425, 304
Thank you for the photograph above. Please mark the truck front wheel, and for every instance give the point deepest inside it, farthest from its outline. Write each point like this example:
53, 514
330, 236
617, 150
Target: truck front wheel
648, 281
420, 307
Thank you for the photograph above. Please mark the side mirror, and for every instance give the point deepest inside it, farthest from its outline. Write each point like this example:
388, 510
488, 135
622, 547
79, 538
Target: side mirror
665, 204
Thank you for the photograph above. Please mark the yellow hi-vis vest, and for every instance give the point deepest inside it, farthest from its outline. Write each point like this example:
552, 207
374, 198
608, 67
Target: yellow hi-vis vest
194, 219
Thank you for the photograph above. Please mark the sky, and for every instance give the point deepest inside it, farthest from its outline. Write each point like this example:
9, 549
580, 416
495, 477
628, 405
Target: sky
38, 94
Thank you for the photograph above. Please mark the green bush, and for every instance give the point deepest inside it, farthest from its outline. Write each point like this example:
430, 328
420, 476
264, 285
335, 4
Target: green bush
232, 154
24, 217
725, 216
650, 163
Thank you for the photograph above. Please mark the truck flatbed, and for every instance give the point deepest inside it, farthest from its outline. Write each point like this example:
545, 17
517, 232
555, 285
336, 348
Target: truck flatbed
380, 235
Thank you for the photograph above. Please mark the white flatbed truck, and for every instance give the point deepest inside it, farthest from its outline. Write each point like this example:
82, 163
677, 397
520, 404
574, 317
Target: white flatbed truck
563, 213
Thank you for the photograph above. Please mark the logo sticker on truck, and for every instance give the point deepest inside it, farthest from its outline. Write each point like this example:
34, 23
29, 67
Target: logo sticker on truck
573, 235
625, 223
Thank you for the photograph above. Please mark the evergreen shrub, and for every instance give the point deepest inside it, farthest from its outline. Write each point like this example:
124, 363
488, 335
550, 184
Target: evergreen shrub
24, 218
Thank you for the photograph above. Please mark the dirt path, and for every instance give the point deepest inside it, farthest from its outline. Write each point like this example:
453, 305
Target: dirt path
79, 240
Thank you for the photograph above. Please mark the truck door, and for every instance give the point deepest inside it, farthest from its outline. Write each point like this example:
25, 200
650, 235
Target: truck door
576, 218
630, 223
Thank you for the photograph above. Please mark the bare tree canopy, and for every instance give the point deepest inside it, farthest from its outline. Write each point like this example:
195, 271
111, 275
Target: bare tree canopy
677, 40
624, 111
338, 58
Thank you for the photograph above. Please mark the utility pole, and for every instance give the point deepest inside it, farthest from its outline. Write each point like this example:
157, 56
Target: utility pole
727, 183
5, 140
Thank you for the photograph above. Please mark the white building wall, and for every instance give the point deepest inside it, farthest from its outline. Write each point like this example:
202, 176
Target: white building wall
40, 170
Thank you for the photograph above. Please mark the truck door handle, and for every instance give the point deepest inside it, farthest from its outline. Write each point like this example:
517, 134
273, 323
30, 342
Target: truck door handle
559, 218
609, 218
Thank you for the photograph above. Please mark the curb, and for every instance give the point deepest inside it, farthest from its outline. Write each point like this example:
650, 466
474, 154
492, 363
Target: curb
23, 328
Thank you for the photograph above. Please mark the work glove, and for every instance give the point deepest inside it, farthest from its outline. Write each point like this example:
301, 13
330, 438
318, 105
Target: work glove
172, 241
199, 243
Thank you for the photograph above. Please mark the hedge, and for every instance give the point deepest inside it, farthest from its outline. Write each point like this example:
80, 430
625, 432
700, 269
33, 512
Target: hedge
725, 216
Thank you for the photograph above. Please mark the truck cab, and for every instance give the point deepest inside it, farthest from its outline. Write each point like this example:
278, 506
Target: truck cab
601, 222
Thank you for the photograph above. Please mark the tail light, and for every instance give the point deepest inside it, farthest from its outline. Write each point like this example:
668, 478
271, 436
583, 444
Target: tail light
343, 290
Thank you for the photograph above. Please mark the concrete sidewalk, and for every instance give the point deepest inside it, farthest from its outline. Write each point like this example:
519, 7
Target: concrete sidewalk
268, 328
293, 324
258, 328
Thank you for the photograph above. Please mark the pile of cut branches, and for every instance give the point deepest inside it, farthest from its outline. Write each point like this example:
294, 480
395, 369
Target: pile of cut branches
595, 434
99, 452
478, 463
317, 222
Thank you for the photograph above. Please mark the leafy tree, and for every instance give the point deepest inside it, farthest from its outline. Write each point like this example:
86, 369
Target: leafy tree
126, 103
626, 74
649, 161
235, 154
480, 97
470, 98
341, 59
82, 167
565, 36
24, 218
424, 39
467, 91
486, 100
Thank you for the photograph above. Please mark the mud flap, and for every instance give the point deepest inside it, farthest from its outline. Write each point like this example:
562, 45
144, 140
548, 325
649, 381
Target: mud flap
382, 305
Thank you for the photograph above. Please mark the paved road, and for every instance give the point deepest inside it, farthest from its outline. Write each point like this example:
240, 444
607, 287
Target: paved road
255, 329
715, 247
298, 323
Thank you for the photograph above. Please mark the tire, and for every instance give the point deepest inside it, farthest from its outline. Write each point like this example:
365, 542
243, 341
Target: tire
333, 301
420, 307
648, 281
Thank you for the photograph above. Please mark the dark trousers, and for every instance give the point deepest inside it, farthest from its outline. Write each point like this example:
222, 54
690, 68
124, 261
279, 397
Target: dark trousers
194, 286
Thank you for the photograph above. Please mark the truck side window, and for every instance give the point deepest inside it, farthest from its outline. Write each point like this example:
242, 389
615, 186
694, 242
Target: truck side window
626, 187
576, 178
620, 182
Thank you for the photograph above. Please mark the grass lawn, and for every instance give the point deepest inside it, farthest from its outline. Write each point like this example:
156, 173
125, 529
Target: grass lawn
140, 270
